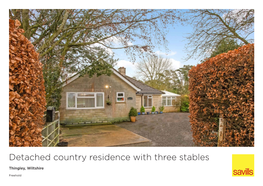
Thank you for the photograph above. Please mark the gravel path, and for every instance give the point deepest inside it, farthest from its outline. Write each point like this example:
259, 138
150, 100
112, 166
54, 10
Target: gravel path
167, 129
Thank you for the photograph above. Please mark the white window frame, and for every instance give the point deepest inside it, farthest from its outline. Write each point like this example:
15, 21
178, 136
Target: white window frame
120, 96
148, 97
172, 98
76, 97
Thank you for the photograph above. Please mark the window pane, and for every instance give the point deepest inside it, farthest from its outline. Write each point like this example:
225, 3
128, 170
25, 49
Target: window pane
145, 101
86, 94
71, 99
169, 102
85, 102
120, 94
99, 100
163, 101
120, 99
150, 102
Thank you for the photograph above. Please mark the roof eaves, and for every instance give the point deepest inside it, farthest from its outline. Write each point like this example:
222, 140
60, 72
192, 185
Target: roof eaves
145, 92
69, 80
126, 80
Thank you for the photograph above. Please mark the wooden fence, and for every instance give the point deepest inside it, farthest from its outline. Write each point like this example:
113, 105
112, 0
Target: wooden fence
50, 132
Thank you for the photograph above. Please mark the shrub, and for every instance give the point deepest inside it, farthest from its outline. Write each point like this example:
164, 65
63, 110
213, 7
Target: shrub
153, 109
133, 112
184, 104
142, 109
223, 85
161, 108
26, 90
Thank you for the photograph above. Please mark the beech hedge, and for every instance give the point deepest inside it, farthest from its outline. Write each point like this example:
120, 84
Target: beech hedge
26, 90
223, 86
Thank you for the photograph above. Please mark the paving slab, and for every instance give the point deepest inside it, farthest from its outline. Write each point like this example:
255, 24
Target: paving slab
99, 136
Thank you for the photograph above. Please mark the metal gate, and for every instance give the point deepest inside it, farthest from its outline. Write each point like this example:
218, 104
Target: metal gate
50, 132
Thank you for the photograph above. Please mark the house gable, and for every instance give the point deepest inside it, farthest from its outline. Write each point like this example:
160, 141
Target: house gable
73, 78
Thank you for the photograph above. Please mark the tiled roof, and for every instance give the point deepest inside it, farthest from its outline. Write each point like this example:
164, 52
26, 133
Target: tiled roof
145, 89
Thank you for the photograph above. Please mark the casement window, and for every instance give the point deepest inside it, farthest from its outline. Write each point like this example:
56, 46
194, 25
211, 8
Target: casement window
85, 100
120, 96
168, 101
148, 100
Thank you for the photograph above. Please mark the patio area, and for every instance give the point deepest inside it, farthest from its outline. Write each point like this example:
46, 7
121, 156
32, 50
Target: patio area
99, 136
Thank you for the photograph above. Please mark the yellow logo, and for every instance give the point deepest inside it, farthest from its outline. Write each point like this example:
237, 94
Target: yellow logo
242, 164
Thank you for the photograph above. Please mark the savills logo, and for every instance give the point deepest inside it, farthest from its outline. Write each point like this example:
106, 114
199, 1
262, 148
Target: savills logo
242, 164
240, 172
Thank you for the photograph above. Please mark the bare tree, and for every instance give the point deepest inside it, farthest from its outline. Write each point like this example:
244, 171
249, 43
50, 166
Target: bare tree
211, 27
74, 29
151, 68
79, 40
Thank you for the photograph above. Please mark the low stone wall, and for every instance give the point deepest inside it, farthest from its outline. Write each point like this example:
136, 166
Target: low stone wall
171, 109
94, 121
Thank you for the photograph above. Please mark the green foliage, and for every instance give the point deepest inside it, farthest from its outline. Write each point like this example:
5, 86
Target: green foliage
161, 108
108, 102
176, 81
224, 46
153, 109
53, 89
180, 79
142, 109
184, 103
133, 112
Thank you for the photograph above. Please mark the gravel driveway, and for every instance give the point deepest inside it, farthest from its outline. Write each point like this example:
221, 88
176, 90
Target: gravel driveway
167, 129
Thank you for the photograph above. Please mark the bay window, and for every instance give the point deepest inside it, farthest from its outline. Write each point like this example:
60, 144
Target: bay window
85, 100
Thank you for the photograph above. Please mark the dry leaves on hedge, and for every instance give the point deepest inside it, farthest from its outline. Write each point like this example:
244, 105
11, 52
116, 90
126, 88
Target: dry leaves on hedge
223, 85
26, 90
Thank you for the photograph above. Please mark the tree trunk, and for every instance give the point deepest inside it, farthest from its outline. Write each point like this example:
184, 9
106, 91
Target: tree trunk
25, 23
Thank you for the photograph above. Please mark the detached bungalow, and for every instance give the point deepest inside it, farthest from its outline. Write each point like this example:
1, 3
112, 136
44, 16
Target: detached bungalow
109, 98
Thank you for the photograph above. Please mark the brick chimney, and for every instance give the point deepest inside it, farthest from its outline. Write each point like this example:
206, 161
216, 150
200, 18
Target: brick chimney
122, 70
